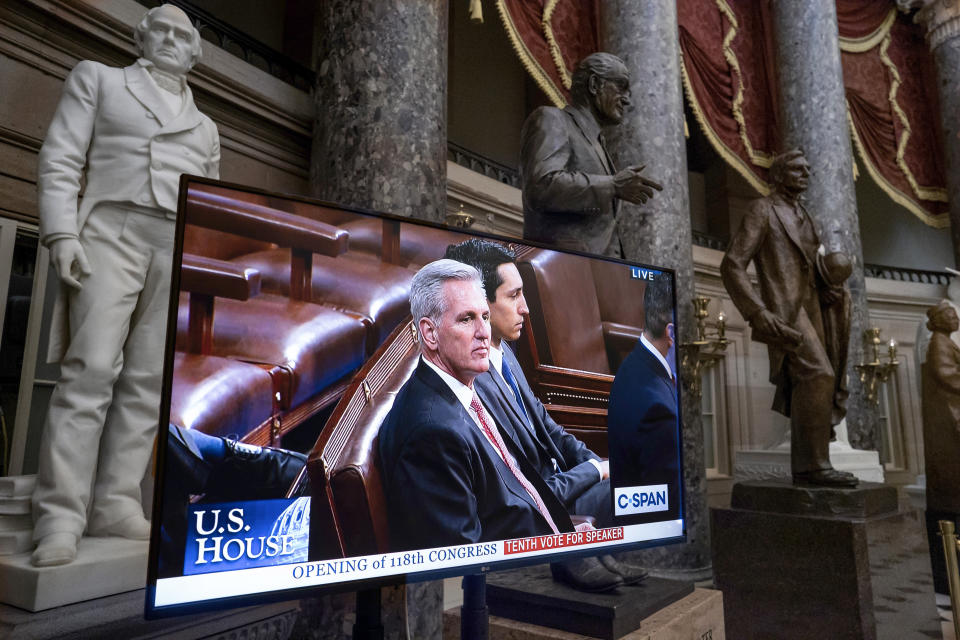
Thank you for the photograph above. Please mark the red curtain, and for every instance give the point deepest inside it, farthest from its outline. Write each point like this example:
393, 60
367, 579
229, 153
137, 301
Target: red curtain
728, 74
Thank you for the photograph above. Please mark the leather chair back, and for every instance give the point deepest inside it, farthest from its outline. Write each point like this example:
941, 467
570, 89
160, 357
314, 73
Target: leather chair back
564, 311
620, 297
348, 507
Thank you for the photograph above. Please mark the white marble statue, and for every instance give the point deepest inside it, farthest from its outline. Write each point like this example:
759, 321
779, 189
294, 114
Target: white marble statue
131, 132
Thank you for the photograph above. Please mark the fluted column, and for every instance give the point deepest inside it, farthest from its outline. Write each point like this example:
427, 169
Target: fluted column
380, 134
644, 35
813, 113
941, 18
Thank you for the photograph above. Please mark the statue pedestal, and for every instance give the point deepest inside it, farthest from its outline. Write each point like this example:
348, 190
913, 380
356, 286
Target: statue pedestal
772, 464
812, 562
104, 566
531, 595
121, 616
699, 614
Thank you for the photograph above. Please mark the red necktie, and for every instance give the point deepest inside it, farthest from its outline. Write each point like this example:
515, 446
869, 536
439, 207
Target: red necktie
497, 441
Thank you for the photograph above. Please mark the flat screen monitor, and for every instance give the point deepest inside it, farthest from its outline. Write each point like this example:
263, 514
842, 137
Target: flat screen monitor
315, 436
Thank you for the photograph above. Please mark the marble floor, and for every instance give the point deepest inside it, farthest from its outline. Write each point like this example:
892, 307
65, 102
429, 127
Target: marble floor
946, 616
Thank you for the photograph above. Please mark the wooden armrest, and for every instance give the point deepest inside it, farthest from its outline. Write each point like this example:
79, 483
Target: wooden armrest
265, 223
586, 424
205, 279
622, 337
570, 386
212, 277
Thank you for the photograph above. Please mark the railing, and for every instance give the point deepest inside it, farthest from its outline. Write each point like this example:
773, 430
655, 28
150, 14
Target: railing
902, 274
490, 168
708, 241
243, 46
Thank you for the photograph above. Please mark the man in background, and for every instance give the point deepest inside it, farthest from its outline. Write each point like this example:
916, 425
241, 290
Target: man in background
642, 421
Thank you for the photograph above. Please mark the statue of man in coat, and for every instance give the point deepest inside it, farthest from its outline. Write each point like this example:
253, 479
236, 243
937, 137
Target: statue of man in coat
571, 189
131, 133
801, 311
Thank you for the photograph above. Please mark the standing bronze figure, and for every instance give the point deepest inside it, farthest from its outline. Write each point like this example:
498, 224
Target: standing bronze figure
571, 190
941, 411
801, 312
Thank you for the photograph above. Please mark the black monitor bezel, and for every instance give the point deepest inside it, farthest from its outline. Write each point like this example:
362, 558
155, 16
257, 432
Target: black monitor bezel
265, 597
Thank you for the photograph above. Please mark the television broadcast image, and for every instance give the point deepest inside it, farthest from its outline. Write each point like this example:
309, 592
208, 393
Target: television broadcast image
353, 398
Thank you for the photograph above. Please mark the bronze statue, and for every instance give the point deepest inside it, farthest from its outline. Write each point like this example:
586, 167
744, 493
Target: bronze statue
941, 410
571, 190
801, 312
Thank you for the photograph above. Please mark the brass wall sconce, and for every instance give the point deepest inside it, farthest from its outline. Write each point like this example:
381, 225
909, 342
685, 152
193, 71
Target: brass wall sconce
460, 219
703, 352
875, 373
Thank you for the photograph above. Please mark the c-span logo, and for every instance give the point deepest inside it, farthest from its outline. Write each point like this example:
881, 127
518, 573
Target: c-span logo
629, 501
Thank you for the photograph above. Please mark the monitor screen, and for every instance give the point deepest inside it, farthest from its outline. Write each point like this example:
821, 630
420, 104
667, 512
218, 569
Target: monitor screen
355, 399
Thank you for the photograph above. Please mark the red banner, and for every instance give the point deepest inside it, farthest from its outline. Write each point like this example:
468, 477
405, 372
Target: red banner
561, 540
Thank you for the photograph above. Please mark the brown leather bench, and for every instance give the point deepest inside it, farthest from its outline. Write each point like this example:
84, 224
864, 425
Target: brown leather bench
218, 396
562, 348
309, 350
404, 244
348, 514
620, 302
341, 279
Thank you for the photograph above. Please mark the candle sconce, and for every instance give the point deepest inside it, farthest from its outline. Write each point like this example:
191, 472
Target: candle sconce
460, 219
875, 373
703, 352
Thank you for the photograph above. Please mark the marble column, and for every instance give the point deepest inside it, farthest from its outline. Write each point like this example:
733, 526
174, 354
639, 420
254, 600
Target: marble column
380, 134
380, 142
644, 35
813, 112
941, 18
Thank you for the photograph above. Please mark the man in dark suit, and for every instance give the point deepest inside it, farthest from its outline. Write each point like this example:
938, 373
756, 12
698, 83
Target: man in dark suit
787, 313
571, 190
449, 476
642, 421
575, 474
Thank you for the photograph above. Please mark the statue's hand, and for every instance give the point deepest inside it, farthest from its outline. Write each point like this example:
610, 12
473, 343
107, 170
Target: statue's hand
766, 323
830, 296
70, 261
629, 185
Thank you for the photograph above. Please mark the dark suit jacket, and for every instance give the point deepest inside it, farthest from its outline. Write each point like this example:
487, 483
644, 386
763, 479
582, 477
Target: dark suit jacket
643, 430
567, 177
541, 439
445, 483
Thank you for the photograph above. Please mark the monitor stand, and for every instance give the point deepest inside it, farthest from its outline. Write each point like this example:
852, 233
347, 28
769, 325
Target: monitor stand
368, 625
474, 620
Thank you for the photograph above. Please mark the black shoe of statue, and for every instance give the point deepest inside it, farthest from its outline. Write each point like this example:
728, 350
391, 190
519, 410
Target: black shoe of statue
585, 574
826, 478
248, 472
631, 573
